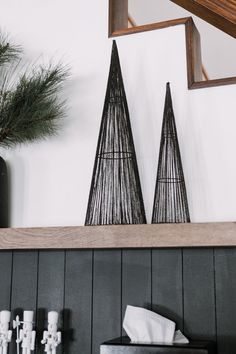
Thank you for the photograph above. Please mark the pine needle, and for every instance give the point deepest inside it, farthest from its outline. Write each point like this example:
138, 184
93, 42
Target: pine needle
8, 51
30, 109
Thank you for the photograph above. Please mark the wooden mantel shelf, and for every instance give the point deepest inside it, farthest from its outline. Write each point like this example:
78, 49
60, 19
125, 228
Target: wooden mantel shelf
120, 236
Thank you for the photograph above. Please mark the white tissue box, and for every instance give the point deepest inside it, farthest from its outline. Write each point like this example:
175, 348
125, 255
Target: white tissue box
124, 346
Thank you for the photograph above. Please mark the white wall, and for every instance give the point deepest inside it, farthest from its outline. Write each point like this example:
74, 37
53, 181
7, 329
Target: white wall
50, 180
218, 48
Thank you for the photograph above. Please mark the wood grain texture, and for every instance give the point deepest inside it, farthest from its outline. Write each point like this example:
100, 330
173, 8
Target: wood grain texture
118, 15
193, 53
199, 294
193, 45
225, 8
121, 236
219, 13
213, 83
167, 284
78, 302
150, 27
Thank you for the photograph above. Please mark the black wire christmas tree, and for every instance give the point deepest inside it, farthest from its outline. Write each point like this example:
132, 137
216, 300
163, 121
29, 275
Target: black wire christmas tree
170, 200
115, 193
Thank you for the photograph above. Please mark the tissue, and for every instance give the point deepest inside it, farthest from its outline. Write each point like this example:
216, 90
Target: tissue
180, 338
142, 325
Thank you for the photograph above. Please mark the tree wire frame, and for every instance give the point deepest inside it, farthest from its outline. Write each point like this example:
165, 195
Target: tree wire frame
115, 193
170, 199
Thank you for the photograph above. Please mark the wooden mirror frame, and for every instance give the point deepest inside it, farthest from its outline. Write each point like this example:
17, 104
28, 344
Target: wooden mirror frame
118, 26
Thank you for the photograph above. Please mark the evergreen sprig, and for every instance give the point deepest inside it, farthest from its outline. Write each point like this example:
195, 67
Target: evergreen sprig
30, 110
8, 51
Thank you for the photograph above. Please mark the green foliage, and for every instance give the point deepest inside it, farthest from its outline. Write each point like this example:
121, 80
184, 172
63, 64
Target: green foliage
8, 52
29, 109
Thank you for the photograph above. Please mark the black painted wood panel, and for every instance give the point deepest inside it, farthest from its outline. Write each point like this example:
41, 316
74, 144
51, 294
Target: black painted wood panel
24, 282
90, 290
106, 297
51, 270
167, 284
78, 302
225, 276
199, 294
24, 285
5, 280
136, 279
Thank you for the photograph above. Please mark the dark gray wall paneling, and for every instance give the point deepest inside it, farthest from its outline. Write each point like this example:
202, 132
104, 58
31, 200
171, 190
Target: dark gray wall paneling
136, 279
78, 302
51, 284
24, 285
199, 294
24, 281
106, 297
225, 276
5, 280
90, 289
167, 285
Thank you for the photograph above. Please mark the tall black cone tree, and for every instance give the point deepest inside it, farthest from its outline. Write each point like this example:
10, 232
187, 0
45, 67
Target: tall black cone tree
115, 193
170, 200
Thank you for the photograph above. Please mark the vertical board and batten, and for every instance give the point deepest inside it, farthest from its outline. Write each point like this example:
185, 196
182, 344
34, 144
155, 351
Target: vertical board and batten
91, 288
77, 326
136, 278
199, 294
24, 280
167, 284
106, 304
50, 296
5, 279
225, 281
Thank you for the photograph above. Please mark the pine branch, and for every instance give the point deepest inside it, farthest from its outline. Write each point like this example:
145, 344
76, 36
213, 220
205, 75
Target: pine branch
8, 52
32, 111
29, 107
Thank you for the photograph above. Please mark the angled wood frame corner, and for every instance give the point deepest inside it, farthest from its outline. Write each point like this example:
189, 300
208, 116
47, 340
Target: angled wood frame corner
221, 14
118, 26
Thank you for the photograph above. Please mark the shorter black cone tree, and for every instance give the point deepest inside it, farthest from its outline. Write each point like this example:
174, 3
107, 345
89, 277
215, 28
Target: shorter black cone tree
170, 200
115, 194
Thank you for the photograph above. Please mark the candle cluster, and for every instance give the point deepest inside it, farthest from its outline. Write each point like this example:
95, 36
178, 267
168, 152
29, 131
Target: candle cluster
26, 335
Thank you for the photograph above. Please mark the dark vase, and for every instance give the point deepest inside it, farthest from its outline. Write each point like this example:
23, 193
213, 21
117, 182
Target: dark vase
4, 201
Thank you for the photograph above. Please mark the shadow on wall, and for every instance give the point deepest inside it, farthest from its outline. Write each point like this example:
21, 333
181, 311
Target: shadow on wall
171, 315
68, 335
